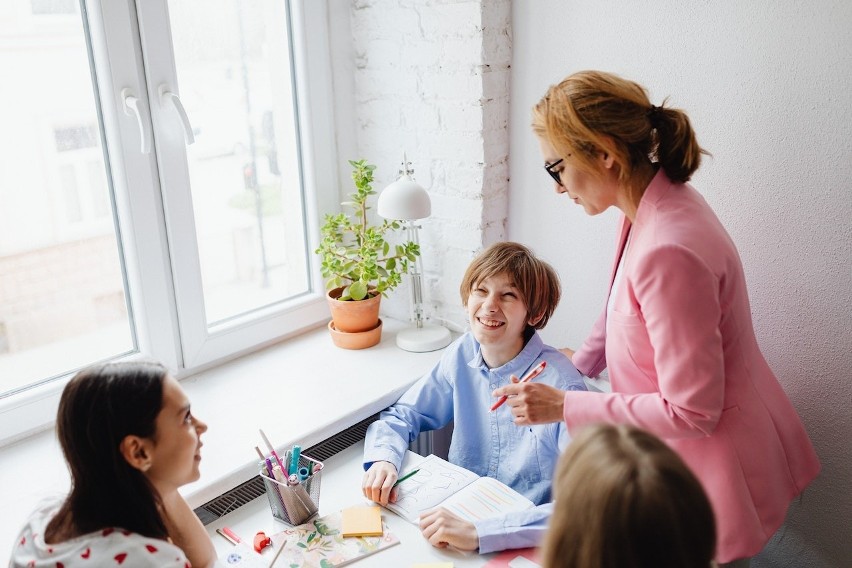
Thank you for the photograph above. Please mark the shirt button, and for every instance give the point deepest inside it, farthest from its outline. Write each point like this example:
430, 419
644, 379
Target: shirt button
493, 386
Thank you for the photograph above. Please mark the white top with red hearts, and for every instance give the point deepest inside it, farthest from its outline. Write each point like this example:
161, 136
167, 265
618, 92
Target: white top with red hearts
108, 547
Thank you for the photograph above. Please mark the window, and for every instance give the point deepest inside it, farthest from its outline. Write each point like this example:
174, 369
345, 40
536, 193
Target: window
45, 7
163, 209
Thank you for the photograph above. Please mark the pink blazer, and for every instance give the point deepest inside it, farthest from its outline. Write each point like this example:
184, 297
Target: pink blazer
684, 364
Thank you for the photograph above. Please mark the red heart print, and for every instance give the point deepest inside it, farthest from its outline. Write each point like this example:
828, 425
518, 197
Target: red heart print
152, 549
120, 557
87, 553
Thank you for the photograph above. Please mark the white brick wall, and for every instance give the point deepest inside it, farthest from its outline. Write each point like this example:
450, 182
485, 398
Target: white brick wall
432, 78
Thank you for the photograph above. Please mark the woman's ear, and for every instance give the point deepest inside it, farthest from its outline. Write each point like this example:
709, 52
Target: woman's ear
136, 452
605, 156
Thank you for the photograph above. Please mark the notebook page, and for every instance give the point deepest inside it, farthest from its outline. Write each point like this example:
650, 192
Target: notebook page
436, 480
486, 498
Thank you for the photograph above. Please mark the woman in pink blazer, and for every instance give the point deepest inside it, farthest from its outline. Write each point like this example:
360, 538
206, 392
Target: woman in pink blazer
676, 333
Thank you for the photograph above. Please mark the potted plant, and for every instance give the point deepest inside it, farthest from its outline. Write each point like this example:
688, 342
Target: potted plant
359, 264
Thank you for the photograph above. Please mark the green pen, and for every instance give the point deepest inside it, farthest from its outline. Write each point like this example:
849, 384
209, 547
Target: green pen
406, 476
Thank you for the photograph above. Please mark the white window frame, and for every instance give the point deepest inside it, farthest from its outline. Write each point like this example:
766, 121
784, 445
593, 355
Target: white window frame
166, 306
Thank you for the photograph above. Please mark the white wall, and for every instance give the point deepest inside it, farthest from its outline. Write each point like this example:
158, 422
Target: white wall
430, 79
768, 86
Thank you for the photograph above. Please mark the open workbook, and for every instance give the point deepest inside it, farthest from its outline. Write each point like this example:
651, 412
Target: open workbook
462, 492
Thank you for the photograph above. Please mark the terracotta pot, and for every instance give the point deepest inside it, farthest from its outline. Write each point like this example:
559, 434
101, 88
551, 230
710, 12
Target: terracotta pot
358, 340
353, 316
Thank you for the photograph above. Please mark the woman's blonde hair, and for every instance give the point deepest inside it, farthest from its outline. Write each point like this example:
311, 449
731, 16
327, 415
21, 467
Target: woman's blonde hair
623, 499
591, 112
535, 279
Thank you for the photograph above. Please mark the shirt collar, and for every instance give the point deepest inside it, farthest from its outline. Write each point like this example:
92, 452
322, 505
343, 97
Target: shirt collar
520, 363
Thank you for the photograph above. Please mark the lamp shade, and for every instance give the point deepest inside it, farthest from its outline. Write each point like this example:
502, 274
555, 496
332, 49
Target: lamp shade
404, 199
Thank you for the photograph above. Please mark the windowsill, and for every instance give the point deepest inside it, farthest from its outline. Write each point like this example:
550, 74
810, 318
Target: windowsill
300, 391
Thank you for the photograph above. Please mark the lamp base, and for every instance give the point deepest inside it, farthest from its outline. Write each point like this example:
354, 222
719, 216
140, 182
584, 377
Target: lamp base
423, 339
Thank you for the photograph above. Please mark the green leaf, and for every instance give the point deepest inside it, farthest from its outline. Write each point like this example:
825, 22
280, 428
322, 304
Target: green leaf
358, 290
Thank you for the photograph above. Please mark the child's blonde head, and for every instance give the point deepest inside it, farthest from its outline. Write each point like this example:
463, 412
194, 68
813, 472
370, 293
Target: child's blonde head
535, 279
623, 498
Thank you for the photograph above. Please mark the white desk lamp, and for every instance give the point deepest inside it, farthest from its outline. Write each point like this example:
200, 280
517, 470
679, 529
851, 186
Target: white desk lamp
407, 201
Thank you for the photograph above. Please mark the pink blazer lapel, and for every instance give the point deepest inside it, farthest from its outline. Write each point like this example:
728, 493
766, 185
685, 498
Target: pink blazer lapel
623, 232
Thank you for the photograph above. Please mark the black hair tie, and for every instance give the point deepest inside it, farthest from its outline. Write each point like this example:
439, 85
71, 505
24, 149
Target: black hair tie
654, 114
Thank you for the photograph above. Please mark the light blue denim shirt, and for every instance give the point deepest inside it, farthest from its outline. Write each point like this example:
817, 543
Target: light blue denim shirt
488, 443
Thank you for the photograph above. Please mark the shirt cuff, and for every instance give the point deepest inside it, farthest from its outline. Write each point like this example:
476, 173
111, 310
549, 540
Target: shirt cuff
381, 454
492, 535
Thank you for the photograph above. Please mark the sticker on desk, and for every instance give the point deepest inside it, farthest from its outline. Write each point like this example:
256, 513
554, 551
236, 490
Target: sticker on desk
243, 556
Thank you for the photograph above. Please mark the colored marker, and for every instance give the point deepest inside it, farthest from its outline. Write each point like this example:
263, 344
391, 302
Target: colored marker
528, 377
294, 460
279, 474
270, 469
404, 477
303, 473
271, 449
229, 535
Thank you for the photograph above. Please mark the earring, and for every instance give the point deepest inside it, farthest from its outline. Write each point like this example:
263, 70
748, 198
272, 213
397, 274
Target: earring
146, 466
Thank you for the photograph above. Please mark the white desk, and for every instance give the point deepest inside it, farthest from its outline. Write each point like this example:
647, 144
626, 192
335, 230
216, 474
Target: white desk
341, 488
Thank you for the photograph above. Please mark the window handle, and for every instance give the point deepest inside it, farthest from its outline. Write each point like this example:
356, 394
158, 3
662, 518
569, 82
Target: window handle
134, 107
166, 96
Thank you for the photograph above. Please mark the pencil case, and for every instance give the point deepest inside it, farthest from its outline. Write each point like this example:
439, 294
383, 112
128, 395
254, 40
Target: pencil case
295, 504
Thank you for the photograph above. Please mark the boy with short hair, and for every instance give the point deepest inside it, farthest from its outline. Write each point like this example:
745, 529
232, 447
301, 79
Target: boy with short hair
509, 294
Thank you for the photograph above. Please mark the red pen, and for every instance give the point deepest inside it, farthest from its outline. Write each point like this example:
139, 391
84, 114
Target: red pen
528, 377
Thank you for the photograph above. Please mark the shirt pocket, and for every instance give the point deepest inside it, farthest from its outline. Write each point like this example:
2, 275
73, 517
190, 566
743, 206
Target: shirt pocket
627, 319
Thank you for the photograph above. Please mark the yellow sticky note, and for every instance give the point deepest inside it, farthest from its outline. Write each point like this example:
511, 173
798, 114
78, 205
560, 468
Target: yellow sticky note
362, 521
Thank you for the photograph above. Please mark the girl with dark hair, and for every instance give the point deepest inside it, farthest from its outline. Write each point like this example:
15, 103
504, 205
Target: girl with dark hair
676, 333
130, 442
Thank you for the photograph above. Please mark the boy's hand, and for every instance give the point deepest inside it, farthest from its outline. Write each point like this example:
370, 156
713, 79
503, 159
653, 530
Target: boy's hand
532, 402
378, 481
568, 352
442, 529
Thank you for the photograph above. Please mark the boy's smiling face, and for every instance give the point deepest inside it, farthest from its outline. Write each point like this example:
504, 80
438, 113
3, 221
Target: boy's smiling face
498, 317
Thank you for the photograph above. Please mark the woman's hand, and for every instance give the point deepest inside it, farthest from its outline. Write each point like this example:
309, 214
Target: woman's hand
442, 529
532, 402
568, 352
378, 481
186, 530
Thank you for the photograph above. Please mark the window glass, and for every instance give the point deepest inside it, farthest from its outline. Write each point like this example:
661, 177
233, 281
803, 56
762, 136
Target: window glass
233, 67
42, 7
62, 294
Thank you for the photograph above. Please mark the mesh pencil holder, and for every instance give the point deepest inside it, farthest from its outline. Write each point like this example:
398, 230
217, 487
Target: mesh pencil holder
295, 504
